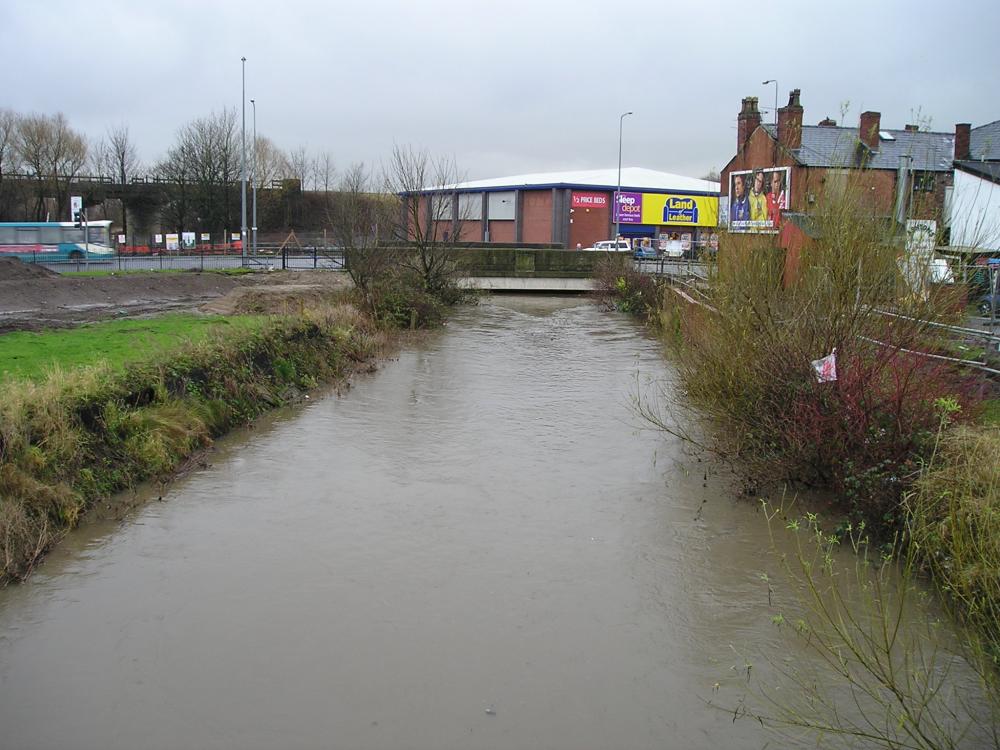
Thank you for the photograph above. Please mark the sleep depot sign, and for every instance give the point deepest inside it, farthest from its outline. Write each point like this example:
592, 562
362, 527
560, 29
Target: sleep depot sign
667, 209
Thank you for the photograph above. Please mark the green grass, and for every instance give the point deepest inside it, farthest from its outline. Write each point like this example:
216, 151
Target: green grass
117, 342
991, 412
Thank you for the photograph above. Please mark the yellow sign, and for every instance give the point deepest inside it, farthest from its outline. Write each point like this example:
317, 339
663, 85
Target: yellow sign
680, 210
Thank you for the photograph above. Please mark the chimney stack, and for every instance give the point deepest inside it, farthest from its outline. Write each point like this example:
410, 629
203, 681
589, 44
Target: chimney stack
747, 122
962, 132
912, 128
790, 122
868, 131
828, 122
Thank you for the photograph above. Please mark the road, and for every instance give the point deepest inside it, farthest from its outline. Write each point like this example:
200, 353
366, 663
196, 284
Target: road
320, 260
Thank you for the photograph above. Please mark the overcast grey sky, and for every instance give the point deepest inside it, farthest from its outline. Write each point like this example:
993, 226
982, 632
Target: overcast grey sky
505, 87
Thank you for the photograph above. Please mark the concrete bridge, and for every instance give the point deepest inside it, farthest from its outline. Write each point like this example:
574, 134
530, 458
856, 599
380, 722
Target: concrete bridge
505, 269
551, 270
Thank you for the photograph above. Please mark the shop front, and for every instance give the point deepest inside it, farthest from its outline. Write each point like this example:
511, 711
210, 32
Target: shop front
690, 220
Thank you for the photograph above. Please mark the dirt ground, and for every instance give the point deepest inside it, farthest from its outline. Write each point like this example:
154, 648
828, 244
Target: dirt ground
32, 298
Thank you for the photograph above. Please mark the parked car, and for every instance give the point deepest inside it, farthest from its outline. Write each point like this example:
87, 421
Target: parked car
611, 246
987, 303
673, 249
646, 251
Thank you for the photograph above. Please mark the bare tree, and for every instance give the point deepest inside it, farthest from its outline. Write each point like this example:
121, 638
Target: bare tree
324, 173
116, 156
205, 161
358, 216
54, 153
301, 166
175, 171
9, 156
270, 163
428, 221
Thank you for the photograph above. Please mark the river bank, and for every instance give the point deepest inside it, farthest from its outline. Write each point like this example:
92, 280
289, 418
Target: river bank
74, 437
907, 441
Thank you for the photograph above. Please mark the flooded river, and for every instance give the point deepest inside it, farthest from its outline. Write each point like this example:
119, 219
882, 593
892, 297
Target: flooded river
478, 546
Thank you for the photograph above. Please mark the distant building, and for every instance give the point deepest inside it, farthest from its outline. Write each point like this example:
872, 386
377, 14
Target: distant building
974, 210
949, 178
907, 171
575, 208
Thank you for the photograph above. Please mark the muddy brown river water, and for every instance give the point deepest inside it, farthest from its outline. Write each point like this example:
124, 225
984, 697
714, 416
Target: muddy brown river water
478, 546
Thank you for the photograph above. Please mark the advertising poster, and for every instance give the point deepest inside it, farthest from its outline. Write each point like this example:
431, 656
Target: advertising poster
664, 209
173, 241
187, 240
157, 239
680, 210
589, 200
205, 236
757, 198
628, 208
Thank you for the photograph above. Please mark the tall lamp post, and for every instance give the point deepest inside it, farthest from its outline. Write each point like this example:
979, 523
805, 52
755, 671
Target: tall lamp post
243, 168
253, 177
617, 208
764, 83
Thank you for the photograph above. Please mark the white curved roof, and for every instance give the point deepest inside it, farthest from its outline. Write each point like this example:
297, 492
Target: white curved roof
632, 177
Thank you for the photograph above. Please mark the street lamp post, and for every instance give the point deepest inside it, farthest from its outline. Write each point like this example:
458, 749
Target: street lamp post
253, 178
617, 208
764, 83
243, 169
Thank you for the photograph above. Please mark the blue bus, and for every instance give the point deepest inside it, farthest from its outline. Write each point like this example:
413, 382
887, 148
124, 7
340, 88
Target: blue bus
50, 241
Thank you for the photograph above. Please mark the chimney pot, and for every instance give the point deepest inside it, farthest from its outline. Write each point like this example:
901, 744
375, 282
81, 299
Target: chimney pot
828, 122
747, 121
868, 130
962, 133
790, 122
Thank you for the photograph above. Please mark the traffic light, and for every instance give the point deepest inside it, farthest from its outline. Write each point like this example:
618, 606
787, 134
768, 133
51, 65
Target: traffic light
78, 218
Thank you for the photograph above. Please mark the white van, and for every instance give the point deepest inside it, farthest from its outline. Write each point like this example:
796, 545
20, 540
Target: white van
611, 246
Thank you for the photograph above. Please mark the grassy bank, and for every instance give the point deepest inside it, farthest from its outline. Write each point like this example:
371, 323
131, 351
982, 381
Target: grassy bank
77, 436
115, 343
954, 526
907, 442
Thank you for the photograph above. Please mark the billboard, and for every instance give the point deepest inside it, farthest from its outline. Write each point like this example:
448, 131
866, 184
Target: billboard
757, 197
589, 200
667, 209
628, 208
680, 210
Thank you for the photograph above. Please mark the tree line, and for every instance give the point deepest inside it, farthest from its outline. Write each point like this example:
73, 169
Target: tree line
41, 156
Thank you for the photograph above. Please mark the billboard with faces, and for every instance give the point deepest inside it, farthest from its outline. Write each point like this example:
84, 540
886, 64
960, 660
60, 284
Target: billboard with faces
758, 198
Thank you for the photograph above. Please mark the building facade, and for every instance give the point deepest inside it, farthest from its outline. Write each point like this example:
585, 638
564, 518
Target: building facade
904, 173
575, 209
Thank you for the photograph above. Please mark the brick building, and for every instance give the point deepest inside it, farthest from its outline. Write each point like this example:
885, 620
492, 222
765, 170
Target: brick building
907, 172
574, 208
974, 216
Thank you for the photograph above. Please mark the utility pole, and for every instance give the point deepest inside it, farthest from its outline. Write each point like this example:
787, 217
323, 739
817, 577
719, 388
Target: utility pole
764, 83
253, 176
243, 179
617, 206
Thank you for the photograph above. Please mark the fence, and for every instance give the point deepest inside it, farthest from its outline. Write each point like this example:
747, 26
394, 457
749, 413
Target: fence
204, 258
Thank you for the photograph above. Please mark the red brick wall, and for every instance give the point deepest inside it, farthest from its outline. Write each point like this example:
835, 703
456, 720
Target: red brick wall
762, 151
471, 231
536, 218
590, 225
502, 231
